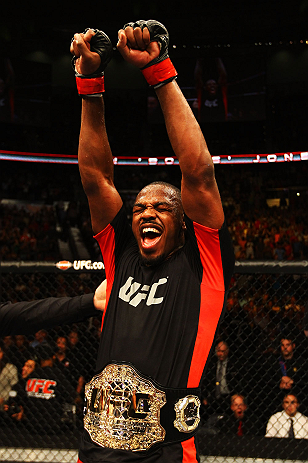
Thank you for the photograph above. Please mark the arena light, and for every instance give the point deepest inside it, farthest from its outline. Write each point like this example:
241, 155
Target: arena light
224, 159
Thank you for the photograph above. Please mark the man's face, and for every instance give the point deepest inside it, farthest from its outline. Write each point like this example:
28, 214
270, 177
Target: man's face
238, 407
27, 369
20, 340
222, 351
211, 86
40, 335
61, 344
290, 405
287, 348
73, 338
157, 224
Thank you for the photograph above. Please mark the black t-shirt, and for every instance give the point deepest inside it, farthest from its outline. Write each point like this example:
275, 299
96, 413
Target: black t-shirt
161, 319
42, 396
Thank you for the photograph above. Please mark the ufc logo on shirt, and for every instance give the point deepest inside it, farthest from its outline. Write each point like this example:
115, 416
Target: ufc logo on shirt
133, 293
40, 388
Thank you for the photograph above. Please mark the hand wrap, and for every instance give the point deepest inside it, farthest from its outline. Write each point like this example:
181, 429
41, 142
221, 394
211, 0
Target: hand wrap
93, 84
160, 70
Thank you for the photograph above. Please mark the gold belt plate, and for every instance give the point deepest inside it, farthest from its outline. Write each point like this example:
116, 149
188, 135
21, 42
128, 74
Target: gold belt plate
123, 409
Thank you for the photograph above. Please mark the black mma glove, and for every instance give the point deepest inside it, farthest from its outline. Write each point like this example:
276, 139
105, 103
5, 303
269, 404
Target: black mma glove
160, 70
93, 84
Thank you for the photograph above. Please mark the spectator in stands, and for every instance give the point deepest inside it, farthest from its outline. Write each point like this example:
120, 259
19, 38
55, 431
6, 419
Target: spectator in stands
41, 339
8, 343
73, 339
221, 380
290, 365
289, 423
8, 377
235, 420
289, 372
78, 352
69, 364
43, 394
279, 251
29, 367
61, 351
13, 408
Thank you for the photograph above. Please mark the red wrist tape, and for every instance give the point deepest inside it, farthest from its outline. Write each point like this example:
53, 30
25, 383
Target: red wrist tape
159, 72
90, 86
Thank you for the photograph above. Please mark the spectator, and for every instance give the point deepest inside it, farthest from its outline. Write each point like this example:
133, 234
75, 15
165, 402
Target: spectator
8, 344
8, 377
221, 380
288, 372
235, 420
41, 340
61, 351
288, 423
73, 339
78, 351
279, 251
28, 367
13, 408
43, 394
69, 364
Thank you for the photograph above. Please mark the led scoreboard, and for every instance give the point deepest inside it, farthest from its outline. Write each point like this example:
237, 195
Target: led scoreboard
157, 161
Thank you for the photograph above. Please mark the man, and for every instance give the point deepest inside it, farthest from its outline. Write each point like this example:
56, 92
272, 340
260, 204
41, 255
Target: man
288, 372
29, 317
234, 421
289, 423
40, 339
221, 381
43, 395
12, 408
166, 277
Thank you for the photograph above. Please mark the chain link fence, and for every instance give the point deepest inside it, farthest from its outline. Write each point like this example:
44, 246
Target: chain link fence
256, 380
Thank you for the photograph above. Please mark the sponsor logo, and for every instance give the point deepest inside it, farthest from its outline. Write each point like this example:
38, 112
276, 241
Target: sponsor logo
63, 265
41, 388
133, 293
80, 265
88, 265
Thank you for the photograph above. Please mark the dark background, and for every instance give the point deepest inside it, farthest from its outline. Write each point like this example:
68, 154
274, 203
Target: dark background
273, 33
35, 36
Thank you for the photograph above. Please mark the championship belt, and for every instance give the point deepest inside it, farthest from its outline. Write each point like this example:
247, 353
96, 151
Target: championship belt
128, 411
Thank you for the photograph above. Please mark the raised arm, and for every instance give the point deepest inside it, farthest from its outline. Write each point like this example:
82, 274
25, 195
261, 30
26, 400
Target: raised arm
145, 44
94, 154
200, 195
